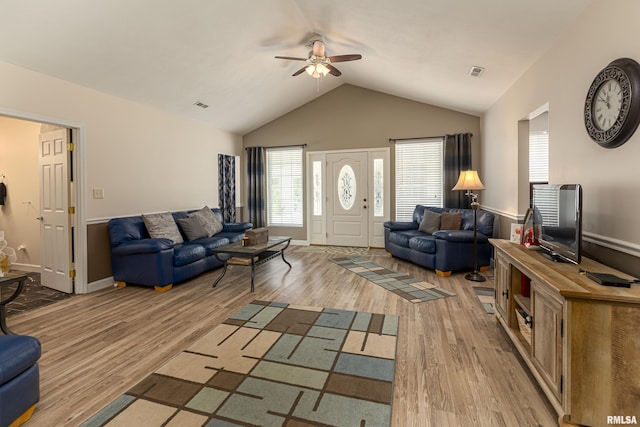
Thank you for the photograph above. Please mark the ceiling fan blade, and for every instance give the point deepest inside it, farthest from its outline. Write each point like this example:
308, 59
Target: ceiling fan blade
300, 71
333, 70
291, 58
345, 58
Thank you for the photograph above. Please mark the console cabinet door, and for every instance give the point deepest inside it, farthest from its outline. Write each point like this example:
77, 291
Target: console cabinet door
547, 336
502, 285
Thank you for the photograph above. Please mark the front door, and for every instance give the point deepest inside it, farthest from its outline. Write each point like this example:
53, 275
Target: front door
347, 189
54, 205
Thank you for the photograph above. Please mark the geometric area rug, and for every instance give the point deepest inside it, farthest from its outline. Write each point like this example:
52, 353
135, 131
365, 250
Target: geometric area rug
401, 284
271, 364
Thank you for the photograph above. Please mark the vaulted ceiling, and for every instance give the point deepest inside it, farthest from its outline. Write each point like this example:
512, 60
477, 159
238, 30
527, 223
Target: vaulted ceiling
171, 53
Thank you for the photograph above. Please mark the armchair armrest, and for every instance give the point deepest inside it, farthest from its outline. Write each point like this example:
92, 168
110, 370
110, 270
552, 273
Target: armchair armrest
400, 225
236, 226
465, 236
143, 246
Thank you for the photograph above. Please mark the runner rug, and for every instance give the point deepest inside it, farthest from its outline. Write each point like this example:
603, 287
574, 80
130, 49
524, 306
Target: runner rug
486, 298
401, 284
272, 364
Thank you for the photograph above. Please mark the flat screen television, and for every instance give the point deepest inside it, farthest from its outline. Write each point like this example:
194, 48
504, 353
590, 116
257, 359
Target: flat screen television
558, 213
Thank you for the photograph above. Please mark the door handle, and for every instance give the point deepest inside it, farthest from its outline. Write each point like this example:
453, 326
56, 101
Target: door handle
364, 207
40, 218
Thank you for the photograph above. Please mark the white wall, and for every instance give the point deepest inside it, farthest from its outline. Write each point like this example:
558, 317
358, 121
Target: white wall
144, 159
19, 165
561, 78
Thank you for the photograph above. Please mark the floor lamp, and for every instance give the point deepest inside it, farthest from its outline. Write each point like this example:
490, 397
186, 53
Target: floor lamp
470, 181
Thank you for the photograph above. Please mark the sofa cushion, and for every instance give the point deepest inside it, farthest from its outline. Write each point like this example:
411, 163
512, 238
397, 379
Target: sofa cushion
426, 244
19, 353
186, 254
401, 238
430, 222
210, 222
450, 220
162, 226
210, 243
192, 228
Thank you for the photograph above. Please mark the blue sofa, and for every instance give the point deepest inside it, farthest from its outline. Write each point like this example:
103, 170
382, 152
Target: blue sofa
444, 251
136, 258
19, 378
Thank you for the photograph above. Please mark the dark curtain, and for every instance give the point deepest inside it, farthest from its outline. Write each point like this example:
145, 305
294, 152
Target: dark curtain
457, 157
257, 186
227, 187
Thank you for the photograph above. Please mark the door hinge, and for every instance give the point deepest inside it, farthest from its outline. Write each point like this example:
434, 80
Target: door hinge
561, 383
72, 273
70, 146
561, 328
72, 210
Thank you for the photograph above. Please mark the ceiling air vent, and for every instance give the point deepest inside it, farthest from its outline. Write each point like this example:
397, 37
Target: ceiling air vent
200, 104
476, 71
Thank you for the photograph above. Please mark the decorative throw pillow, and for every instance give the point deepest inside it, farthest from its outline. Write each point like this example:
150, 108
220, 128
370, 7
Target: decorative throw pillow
192, 228
450, 221
209, 221
430, 222
162, 226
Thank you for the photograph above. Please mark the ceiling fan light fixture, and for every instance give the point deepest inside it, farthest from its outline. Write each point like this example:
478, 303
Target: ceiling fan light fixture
318, 63
317, 70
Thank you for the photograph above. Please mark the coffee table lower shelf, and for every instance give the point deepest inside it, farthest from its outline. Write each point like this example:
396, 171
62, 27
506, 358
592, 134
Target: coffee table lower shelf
252, 256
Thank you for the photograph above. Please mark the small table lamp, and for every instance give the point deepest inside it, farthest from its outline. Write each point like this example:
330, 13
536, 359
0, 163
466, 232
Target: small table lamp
469, 181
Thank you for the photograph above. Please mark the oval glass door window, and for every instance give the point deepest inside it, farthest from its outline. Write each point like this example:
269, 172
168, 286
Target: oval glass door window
347, 187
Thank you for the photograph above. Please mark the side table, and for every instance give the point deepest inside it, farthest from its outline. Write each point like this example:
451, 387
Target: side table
8, 279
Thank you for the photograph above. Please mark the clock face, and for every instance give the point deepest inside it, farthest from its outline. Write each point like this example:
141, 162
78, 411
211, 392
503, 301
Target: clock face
607, 104
612, 106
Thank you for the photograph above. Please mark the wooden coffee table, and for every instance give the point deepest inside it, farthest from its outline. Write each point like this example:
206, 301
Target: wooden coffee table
251, 256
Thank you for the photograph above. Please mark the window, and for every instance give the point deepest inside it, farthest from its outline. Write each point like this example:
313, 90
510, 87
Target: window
378, 187
317, 188
419, 175
284, 183
539, 157
538, 152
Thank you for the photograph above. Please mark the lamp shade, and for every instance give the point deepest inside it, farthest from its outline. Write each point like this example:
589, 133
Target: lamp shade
469, 180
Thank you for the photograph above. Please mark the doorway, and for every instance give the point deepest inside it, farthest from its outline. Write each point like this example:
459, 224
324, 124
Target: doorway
348, 197
60, 240
347, 219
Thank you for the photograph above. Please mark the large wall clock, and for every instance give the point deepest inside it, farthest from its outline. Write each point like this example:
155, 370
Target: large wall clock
612, 106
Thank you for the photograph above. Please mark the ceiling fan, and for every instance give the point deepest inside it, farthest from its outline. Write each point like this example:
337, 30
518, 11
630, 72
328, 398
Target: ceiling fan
319, 65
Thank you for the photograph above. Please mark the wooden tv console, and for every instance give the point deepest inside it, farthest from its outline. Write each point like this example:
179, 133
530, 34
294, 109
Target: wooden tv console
584, 340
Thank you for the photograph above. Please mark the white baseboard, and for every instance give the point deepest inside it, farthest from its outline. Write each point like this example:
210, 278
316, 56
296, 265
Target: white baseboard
100, 284
29, 268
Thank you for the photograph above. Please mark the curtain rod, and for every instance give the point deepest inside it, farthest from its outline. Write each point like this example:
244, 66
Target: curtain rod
280, 146
392, 140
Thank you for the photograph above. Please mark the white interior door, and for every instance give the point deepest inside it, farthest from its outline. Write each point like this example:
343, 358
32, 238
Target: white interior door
347, 190
54, 205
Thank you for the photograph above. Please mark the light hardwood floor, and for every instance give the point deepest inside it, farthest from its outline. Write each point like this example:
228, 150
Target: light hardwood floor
454, 365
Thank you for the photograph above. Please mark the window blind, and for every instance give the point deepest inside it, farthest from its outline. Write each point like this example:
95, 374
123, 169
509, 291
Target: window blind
419, 175
538, 156
284, 183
